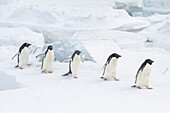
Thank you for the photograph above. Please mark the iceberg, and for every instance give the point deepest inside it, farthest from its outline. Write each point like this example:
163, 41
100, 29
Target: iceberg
65, 48
144, 7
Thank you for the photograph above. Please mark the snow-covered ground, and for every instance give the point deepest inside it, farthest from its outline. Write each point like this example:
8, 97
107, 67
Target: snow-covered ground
98, 28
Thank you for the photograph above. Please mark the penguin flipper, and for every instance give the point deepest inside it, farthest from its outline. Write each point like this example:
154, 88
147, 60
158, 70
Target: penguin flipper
104, 67
55, 58
82, 60
40, 55
67, 59
15, 55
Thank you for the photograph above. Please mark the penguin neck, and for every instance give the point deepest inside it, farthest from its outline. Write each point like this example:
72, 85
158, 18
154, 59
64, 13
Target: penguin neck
113, 60
25, 50
50, 53
148, 67
76, 57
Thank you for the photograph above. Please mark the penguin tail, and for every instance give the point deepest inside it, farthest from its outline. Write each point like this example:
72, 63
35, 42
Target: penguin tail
16, 66
133, 86
66, 74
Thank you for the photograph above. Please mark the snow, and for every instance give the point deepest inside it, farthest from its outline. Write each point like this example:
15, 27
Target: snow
18, 36
158, 32
7, 81
98, 28
54, 93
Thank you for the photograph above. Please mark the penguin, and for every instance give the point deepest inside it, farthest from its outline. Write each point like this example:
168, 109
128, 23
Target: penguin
74, 63
48, 59
23, 56
143, 73
110, 67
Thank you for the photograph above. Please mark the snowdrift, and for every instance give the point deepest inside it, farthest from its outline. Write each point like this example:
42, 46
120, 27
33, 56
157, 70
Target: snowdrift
7, 81
18, 36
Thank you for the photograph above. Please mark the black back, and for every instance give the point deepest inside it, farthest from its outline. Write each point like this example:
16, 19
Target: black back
23, 45
149, 61
109, 59
76, 52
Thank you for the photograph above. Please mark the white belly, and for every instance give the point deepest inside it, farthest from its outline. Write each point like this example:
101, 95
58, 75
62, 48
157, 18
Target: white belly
48, 61
23, 57
143, 76
75, 64
110, 71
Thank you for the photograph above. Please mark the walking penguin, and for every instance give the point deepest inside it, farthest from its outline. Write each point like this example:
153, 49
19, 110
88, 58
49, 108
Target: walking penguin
23, 56
74, 63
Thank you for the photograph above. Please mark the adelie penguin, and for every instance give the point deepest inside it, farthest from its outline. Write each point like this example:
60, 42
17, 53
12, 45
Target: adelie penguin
110, 67
23, 56
74, 63
48, 60
143, 73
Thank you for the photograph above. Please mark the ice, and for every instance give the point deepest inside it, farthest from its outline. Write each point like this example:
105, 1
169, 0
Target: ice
64, 15
144, 7
158, 33
18, 36
122, 39
65, 48
7, 81
162, 4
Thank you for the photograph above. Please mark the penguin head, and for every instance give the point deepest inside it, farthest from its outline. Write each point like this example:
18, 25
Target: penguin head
77, 52
26, 44
50, 47
115, 55
149, 61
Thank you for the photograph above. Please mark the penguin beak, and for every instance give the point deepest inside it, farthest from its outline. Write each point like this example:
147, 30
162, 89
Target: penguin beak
119, 56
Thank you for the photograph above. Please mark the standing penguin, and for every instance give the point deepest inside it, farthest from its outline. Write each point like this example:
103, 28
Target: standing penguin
110, 67
23, 56
48, 59
142, 76
74, 63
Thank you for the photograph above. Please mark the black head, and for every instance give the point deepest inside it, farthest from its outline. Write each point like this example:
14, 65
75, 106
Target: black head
149, 61
26, 44
50, 47
115, 55
77, 52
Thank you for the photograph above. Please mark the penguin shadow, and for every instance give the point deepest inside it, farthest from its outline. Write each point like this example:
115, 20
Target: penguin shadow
68, 77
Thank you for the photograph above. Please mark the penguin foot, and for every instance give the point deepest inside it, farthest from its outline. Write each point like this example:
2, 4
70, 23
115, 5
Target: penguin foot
44, 71
75, 77
50, 72
139, 87
105, 78
148, 87
20, 67
28, 64
116, 79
